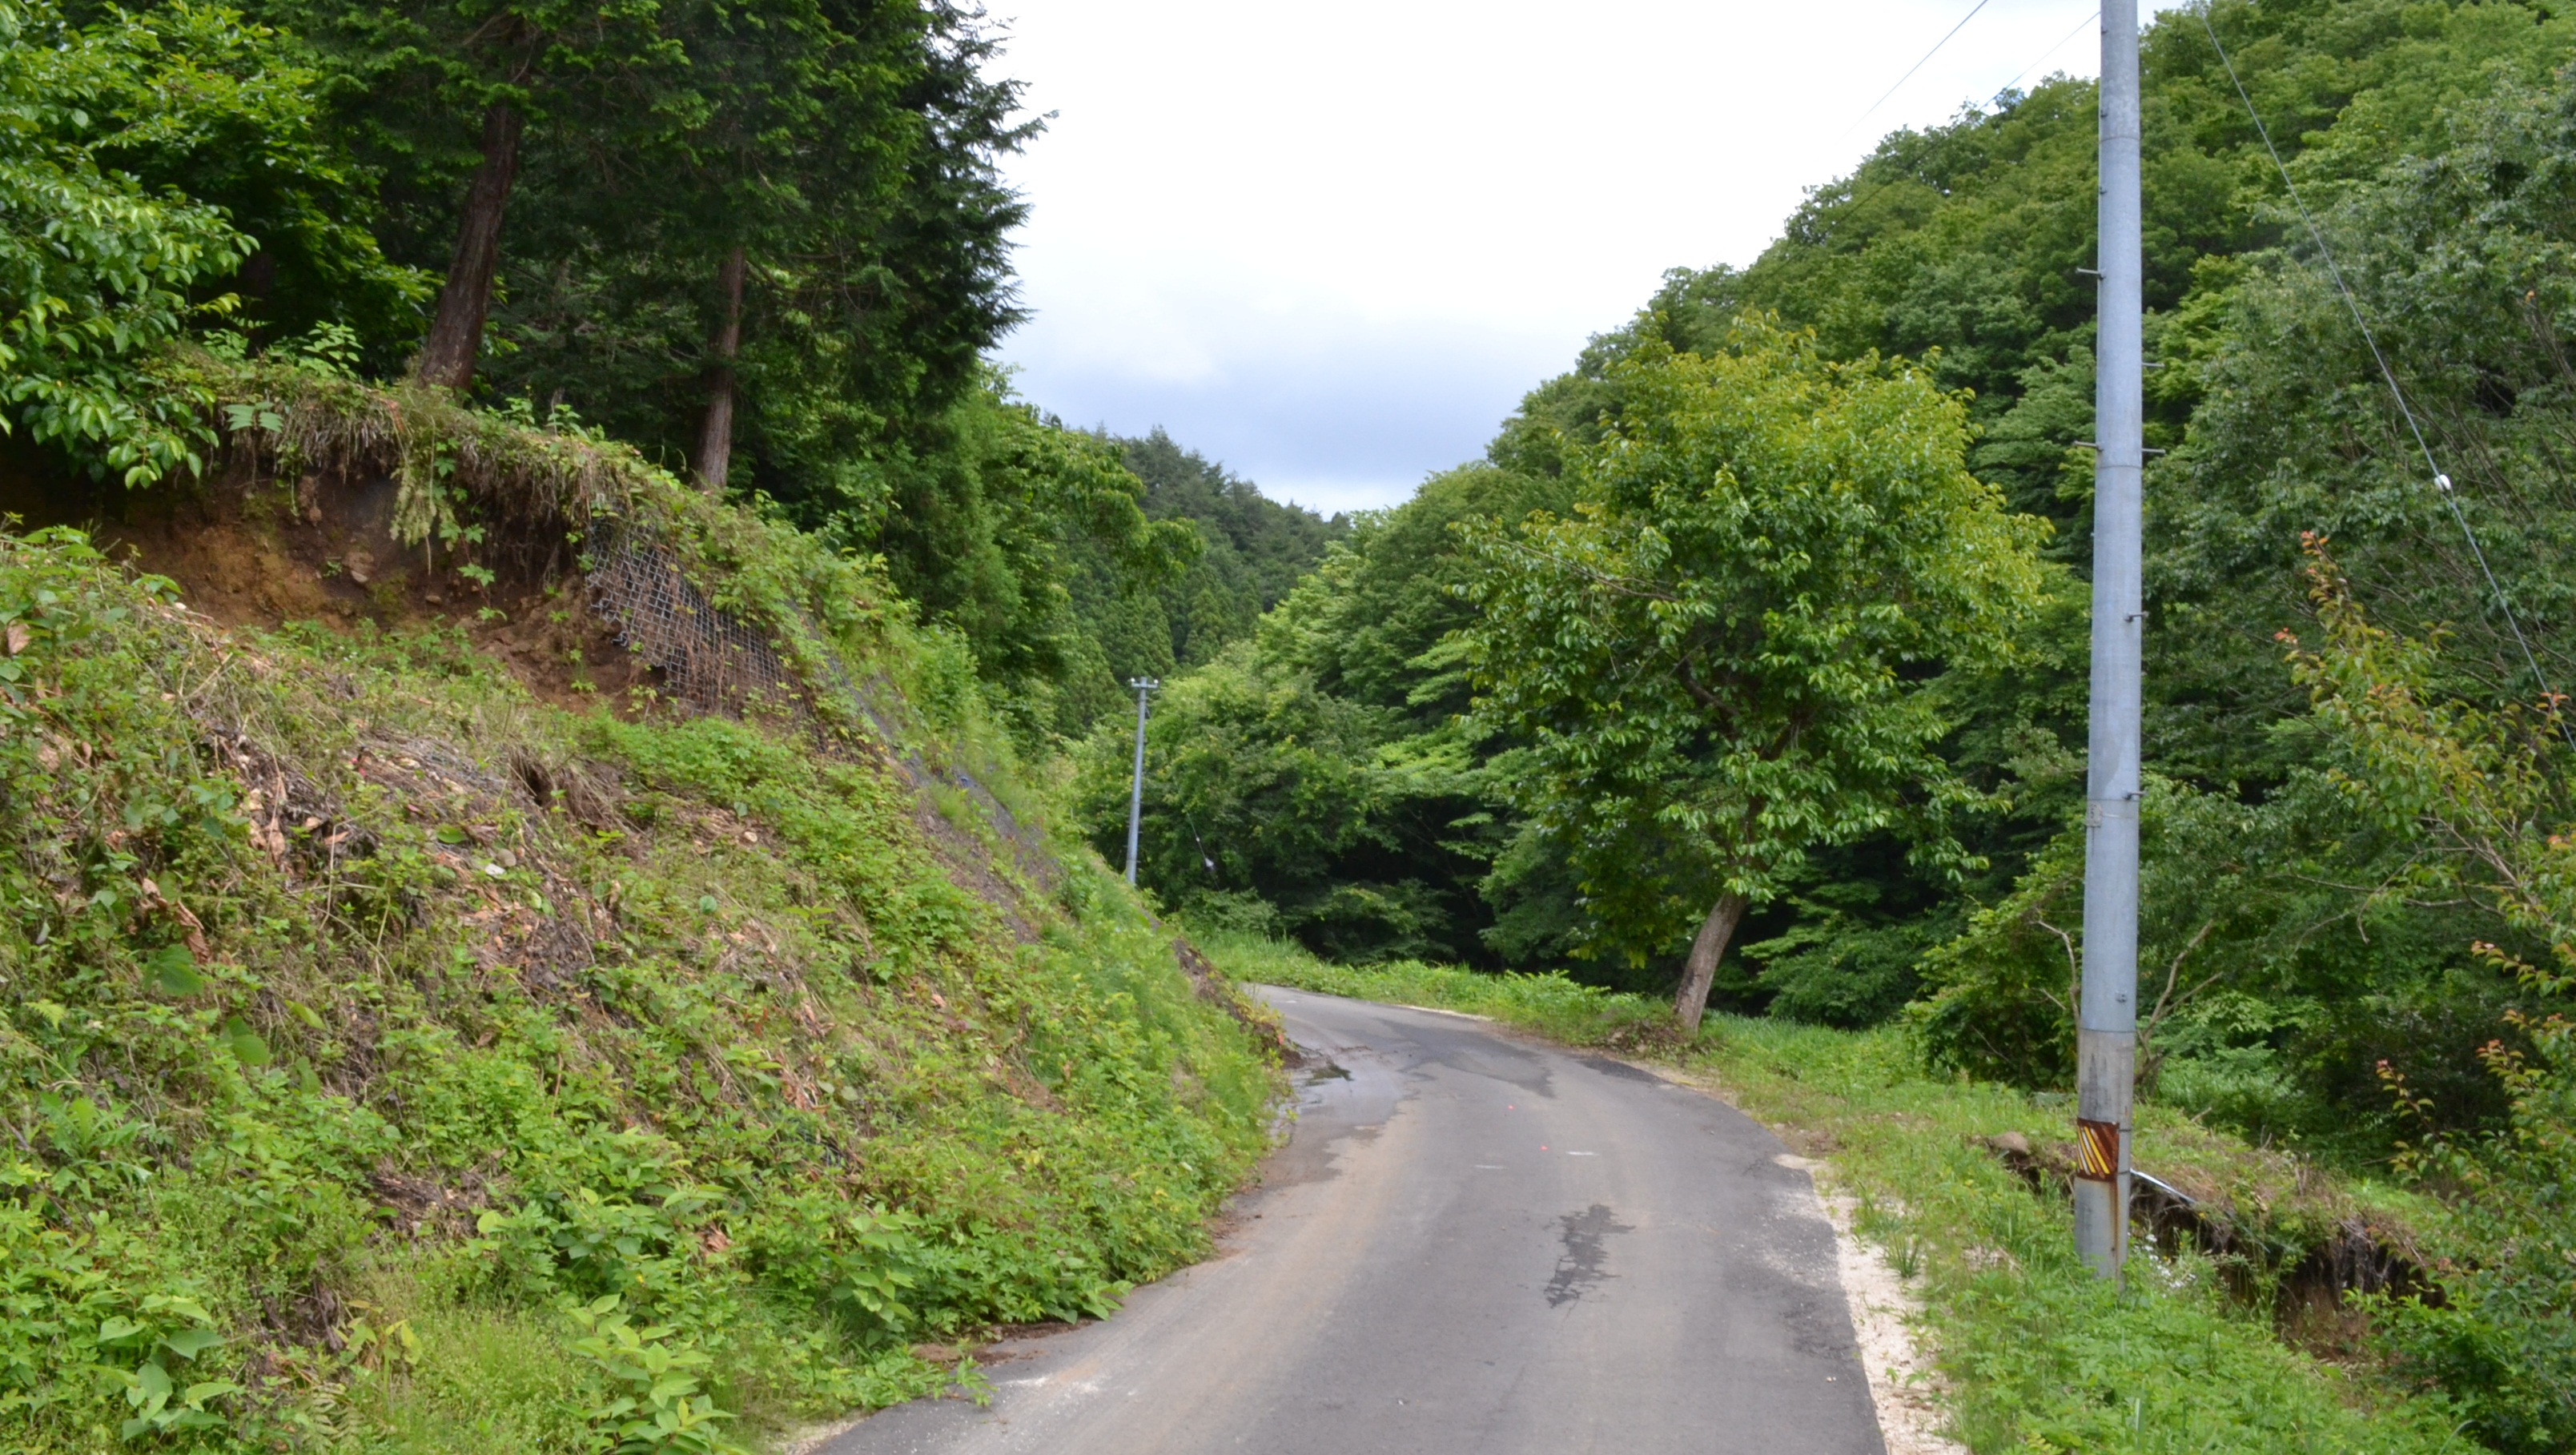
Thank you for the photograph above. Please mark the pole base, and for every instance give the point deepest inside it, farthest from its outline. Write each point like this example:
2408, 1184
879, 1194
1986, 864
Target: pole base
2102, 1225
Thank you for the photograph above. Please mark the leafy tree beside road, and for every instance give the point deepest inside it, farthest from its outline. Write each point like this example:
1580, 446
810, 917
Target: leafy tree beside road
1724, 656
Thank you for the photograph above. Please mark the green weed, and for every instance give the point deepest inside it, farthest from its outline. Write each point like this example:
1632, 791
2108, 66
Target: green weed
360, 1092
650, 1402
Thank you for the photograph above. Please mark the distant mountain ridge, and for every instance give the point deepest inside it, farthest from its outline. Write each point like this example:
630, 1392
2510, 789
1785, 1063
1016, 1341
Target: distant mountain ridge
1254, 549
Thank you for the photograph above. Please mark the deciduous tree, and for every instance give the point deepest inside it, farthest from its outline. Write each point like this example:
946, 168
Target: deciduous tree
1720, 658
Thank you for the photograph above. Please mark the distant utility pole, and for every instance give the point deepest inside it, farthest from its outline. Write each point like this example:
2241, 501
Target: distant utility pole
1145, 687
2106, 1031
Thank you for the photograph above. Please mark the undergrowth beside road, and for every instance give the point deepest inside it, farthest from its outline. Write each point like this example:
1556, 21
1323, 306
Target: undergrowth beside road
2040, 1356
391, 1061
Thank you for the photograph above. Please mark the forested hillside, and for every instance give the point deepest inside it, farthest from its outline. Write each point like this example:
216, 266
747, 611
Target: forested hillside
1249, 550
765, 246
1518, 720
2426, 132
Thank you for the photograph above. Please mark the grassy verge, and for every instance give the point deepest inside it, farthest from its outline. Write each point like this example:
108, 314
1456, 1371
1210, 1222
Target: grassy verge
2039, 1355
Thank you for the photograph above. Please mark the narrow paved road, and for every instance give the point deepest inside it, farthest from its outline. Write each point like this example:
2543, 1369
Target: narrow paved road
1473, 1245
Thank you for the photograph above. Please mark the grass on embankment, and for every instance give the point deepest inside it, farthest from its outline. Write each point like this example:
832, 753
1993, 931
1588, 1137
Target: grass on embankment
2040, 1356
391, 1061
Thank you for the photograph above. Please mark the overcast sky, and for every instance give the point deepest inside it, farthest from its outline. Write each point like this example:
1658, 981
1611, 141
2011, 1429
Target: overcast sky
1331, 243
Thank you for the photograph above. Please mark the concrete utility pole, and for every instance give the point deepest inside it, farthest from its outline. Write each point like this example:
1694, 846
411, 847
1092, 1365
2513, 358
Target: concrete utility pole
2106, 1032
1145, 687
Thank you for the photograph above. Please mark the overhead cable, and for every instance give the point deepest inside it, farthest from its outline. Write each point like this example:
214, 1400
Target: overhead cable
2044, 55
2441, 482
1858, 199
1918, 65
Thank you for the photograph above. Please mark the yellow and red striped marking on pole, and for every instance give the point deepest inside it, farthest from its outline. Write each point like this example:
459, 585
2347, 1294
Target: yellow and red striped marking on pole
2099, 1149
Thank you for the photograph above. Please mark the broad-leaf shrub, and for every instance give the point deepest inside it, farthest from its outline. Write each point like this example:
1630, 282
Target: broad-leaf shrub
650, 1401
102, 266
2476, 788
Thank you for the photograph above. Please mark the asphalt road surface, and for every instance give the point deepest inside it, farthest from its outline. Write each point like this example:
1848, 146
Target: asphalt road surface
1471, 1244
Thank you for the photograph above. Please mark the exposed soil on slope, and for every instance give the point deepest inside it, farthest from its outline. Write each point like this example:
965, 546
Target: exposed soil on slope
252, 552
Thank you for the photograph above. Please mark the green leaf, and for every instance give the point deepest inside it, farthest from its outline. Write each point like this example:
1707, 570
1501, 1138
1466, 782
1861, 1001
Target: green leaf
244, 1043
180, 1304
112, 1330
197, 1394
172, 971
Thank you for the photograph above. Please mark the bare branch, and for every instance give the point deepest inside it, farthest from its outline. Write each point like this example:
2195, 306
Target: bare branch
2074, 967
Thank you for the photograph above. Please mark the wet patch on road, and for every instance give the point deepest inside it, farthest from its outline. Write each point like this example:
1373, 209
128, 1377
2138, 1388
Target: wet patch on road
1344, 1094
1578, 1268
1318, 1069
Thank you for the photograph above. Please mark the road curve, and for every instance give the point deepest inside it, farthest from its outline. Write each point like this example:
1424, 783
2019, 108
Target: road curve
1472, 1245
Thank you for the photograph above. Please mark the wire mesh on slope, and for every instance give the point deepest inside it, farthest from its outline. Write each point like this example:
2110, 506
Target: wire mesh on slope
709, 658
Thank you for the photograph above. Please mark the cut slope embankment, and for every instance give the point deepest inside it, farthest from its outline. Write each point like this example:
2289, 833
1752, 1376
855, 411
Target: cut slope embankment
419, 1036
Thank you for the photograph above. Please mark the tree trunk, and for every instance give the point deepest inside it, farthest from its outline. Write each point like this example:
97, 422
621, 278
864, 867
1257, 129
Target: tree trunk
456, 331
1706, 951
715, 437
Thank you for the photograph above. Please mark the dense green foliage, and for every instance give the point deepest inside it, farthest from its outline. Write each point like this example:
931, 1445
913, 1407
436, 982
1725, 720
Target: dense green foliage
2295, 973
1960, 244
550, 1081
1249, 551
1716, 661
396, 1060
2433, 142
1257, 548
847, 148
105, 257
393, 1060
2305, 946
1004, 531
177, 172
2478, 788
1313, 779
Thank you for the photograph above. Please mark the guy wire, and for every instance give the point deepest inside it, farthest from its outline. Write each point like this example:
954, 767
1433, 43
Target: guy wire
2441, 482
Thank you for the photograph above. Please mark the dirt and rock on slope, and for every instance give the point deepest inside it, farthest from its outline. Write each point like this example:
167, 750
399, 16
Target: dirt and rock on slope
428, 1026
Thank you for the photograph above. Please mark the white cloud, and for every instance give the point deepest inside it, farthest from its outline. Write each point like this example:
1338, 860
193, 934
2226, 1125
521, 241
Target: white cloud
1332, 243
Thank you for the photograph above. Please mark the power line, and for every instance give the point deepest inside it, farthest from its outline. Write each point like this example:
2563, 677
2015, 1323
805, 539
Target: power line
1918, 65
1852, 206
2052, 50
2441, 482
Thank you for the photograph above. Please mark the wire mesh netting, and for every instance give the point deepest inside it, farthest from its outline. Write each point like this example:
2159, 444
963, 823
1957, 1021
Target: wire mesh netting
709, 657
